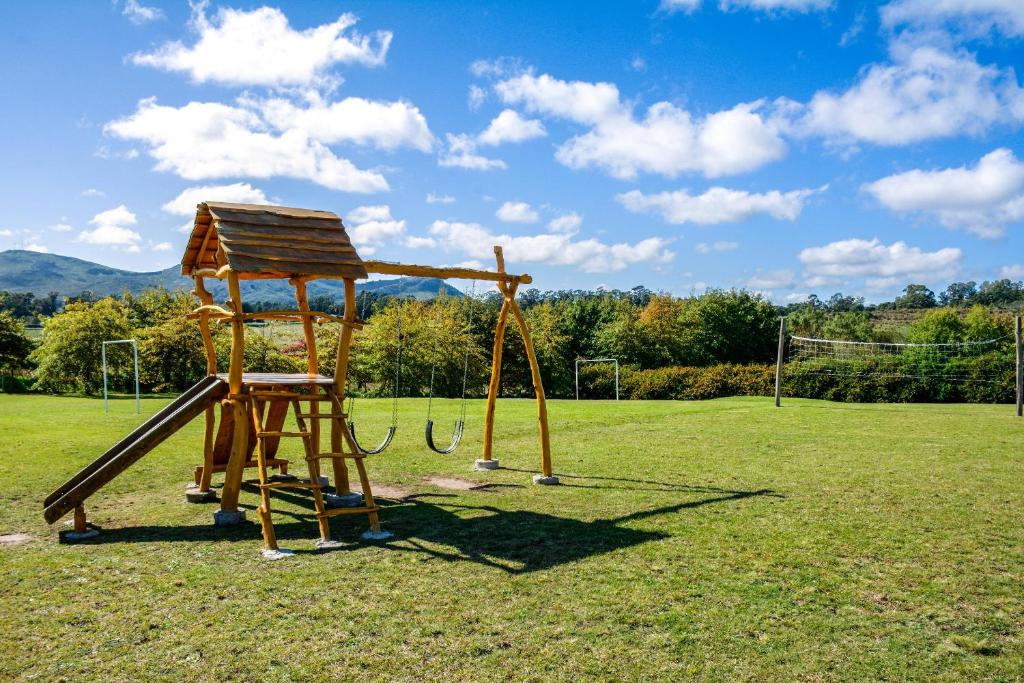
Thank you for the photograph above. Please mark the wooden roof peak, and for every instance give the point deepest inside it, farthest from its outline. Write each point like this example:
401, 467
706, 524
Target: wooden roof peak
262, 241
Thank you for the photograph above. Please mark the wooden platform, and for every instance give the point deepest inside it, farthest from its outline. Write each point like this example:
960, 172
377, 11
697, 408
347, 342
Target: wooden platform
264, 379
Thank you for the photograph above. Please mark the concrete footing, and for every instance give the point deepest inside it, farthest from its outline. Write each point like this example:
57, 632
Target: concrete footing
71, 536
545, 481
228, 517
329, 544
282, 477
487, 464
277, 554
381, 535
324, 481
352, 499
194, 495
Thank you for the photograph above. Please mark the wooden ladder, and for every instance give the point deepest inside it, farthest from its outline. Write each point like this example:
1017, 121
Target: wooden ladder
310, 441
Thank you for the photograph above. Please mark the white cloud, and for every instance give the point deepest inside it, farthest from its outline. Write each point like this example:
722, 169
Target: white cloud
416, 242
923, 93
716, 205
204, 140
673, 6
433, 198
383, 125
706, 248
259, 47
39, 248
667, 140
93, 192
509, 126
767, 280
476, 97
461, 153
517, 212
588, 255
139, 14
975, 17
982, 199
877, 261
569, 222
112, 229
162, 246
370, 227
238, 193
1014, 272
776, 5
61, 227
6, 233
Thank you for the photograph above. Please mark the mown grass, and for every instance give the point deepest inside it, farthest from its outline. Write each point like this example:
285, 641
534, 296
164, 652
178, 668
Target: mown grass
723, 540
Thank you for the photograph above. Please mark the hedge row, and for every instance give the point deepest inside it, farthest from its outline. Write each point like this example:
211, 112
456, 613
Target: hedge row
985, 380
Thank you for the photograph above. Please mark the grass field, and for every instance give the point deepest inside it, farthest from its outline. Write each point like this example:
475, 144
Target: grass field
724, 540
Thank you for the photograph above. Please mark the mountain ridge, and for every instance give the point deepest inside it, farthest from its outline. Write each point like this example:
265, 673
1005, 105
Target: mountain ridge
41, 273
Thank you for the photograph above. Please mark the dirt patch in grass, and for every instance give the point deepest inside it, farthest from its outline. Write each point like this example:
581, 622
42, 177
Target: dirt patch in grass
14, 539
455, 484
389, 492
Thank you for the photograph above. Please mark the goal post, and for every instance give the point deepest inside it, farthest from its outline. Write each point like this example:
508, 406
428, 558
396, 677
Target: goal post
597, 360
135, 354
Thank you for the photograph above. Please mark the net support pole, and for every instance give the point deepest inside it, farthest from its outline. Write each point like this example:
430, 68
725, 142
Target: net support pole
1020, 368
778, 362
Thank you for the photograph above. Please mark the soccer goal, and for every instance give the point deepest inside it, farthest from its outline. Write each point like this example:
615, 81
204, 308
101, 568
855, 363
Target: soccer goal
597, 360
989, 370
135, 353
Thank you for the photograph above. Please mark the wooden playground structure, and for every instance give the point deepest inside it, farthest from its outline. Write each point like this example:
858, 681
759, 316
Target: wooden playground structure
235, 242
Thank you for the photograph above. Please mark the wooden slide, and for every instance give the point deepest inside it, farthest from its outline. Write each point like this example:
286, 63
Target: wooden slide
130, 449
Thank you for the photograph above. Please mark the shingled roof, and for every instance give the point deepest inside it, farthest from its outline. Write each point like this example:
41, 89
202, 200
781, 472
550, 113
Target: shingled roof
270, 242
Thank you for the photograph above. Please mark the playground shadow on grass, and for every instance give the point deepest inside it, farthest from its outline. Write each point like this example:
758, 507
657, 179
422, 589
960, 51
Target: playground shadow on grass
513, 541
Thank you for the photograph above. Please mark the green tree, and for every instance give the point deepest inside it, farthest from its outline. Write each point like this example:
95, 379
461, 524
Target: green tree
959, 294
68, 355
848, 327
729, 327
916, 296
172, 355
15, 347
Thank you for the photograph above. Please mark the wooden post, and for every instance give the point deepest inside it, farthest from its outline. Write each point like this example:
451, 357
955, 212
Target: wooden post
80, 524
236, 402
206, 299
312, 369
538, 386
778, 362
341, 481
494, 385
1020, 368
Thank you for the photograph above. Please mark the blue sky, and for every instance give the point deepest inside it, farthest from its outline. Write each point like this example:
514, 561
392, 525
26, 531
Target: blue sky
785, 146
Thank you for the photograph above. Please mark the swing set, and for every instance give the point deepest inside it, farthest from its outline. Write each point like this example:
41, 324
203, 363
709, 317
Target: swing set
235, 242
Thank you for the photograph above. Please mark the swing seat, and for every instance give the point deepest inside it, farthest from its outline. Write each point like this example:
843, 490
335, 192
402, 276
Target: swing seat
456, 438
380, 447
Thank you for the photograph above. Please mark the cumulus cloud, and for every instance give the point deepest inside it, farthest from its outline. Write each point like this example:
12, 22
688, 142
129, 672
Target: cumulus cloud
139, 14
238, 193
716, 205
112, 229
707, 248
588, 255
509, 126
370, 227
923, 93
666, 140
569, 222
204, 140
162, 246
36, 247
768, 280
982, 198
517, 212
433, 198
461, 153
1014, 272
882, 264
974, 17
260, 48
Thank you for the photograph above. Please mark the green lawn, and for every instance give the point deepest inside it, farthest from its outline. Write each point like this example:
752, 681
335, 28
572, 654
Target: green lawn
722, 540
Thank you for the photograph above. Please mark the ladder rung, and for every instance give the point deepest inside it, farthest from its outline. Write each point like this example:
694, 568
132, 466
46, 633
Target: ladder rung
287, 395
289, 485
323, 416
334, 512
337, 456
265, 434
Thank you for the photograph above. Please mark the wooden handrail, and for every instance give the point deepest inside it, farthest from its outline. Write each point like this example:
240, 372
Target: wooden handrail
388, 268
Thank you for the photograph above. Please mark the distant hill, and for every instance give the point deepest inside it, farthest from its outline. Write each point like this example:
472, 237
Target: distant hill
40, 274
